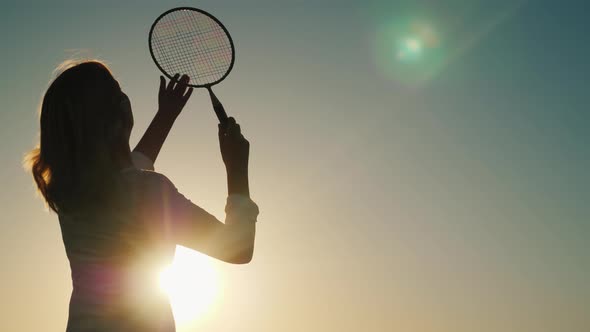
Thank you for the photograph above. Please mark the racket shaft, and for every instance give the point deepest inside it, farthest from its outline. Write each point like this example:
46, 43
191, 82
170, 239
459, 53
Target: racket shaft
217, 107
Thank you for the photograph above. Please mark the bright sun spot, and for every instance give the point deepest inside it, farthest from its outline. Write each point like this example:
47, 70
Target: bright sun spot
413, 45
410, 49
191, 283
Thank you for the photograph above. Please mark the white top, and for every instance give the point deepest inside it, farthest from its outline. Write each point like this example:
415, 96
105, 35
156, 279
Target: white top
237, 208
140, 161
114, 247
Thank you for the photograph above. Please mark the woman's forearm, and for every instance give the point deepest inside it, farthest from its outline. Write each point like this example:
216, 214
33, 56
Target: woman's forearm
171, 100
237, 182
242, 248
152, 140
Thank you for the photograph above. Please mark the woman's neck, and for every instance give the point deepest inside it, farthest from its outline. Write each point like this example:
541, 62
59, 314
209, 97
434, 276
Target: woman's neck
122, 158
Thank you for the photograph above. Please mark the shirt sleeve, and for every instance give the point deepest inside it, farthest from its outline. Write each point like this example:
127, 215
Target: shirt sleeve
240, 208
181, 217
140, 161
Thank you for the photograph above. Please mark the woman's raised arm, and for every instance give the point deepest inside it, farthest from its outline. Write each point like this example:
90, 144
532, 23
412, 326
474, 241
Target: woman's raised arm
171, 100
189, 225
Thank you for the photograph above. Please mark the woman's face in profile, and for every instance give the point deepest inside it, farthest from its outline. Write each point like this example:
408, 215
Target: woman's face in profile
127, 114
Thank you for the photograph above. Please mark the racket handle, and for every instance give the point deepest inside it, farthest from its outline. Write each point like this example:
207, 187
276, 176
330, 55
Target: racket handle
217, 107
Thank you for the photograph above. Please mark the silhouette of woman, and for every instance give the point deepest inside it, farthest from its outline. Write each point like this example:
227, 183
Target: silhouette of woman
120, 220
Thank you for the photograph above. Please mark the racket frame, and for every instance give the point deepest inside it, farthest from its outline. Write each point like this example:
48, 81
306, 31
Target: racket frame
231, 42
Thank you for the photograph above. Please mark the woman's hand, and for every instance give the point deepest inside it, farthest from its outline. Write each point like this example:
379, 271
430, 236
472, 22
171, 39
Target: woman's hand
171, 100
235, 151
173, 97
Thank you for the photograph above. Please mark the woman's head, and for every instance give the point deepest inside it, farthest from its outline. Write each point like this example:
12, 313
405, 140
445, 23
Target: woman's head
85, 124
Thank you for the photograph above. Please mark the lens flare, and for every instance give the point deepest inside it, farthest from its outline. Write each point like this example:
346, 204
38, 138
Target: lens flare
413, 45
410, 49
407, 50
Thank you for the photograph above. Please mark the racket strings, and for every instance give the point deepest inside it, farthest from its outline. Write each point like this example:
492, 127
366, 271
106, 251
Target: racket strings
192, 43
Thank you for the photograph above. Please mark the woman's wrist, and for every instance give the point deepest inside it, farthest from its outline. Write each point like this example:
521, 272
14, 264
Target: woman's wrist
166, 115
237, 182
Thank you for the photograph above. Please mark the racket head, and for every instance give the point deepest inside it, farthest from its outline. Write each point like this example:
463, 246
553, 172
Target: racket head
188, 40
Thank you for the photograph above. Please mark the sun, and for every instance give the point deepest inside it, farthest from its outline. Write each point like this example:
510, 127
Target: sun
191, 283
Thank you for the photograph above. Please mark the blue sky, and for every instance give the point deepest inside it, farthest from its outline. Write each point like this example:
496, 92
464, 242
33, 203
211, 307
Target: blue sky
446, 193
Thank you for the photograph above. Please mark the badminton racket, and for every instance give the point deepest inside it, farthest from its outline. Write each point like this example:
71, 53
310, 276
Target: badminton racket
190, 41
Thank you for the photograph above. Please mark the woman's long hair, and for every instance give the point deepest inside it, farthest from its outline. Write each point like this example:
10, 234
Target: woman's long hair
82, 126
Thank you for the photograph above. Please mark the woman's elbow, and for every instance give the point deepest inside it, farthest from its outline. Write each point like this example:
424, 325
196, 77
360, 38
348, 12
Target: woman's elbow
243, 257
242, 261
243, 250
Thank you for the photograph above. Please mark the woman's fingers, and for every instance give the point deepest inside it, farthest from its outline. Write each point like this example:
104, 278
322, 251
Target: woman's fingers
187, 95
178, 85
228, 127
173, 80
174, 95
181, 87
221, 132
162, 83
233, 128
231, 133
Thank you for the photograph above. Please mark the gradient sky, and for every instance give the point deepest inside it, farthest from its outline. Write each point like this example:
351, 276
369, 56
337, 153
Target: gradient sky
448, 192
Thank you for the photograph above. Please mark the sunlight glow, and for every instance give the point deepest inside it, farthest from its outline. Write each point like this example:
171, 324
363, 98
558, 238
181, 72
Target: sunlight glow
413, 45
411, 48
191, 283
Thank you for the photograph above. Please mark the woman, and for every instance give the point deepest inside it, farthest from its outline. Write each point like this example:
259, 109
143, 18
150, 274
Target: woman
120, 221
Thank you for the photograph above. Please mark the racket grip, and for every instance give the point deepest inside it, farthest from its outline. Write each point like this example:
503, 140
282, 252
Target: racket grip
217, 107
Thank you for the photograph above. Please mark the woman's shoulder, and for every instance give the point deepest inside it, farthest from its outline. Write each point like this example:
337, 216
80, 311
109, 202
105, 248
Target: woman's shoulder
147, 178
155, 186
147, 190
